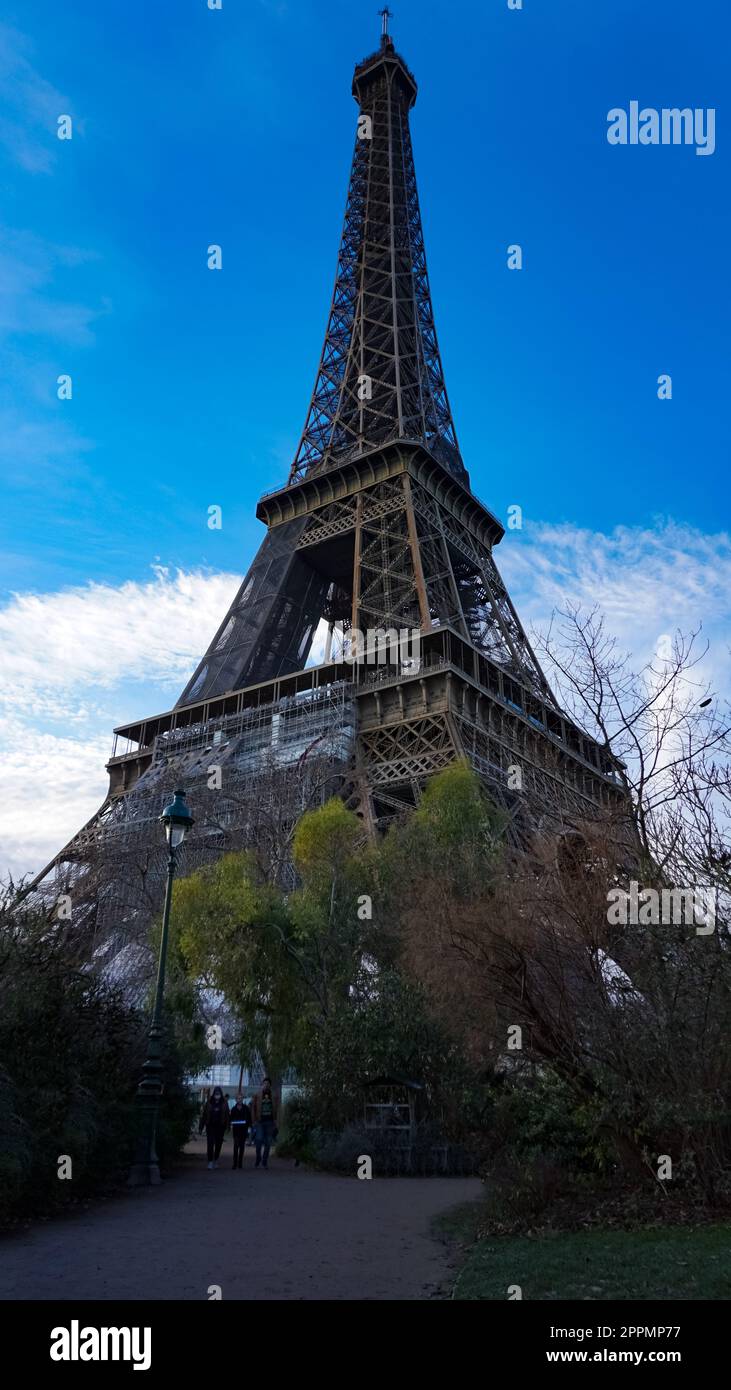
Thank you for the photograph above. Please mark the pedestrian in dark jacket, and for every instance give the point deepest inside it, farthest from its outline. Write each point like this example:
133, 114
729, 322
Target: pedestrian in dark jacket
265, 1123
215, 1119
240, 1117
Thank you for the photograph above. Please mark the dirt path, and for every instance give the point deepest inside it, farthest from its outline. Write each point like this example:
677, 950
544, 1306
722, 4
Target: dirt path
288, 1233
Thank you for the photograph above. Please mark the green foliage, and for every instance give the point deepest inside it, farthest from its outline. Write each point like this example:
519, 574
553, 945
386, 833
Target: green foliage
226, 923
454, 811
71, 1052
535, 1114
325, 843
229, 933
383, 1029
283, 964
313, 977
454, 836
298, 1124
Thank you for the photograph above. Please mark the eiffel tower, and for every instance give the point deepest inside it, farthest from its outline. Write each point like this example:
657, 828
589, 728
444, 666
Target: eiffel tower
377, 531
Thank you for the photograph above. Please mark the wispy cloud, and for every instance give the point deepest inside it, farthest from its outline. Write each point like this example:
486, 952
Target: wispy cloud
33, 449
647, 582
41, 328
35, 438
28, 306
31, 105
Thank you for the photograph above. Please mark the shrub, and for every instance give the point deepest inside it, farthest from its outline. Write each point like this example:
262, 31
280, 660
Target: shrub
298, 1124
425, 1156
71, 1052
535, 1114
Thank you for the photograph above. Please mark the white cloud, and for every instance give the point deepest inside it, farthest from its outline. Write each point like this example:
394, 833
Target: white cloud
63, 775
93, 637
75, 663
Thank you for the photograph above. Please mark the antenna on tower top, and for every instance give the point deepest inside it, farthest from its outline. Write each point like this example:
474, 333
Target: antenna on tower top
385, 14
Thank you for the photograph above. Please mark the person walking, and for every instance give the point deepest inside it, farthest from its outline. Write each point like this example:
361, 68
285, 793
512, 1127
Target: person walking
215, 1119
265, 1120
240, 1117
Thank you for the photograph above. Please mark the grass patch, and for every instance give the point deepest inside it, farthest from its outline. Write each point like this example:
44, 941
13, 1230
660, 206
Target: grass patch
662, 1263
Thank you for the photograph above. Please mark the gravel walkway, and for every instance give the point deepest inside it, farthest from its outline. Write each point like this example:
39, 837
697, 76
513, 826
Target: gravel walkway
285, 1233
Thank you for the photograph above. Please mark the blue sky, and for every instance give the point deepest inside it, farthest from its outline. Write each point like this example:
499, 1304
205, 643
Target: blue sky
190, 387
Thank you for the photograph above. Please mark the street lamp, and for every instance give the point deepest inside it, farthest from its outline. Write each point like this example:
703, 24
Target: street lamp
177, 821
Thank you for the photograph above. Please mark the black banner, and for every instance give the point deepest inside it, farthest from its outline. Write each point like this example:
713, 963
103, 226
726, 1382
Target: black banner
156, 1338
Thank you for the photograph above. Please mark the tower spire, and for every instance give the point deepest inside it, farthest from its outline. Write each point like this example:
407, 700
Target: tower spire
380, 377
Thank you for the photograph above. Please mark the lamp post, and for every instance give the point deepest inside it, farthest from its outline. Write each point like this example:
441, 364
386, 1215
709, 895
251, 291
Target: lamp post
177, 821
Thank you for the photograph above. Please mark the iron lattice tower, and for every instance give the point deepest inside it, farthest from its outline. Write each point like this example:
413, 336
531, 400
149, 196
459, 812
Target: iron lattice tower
377, 529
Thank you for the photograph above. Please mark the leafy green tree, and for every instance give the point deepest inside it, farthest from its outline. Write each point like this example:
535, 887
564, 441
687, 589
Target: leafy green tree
315, 978
450, 844
281, 962
331, 912
383, 1028
230, 937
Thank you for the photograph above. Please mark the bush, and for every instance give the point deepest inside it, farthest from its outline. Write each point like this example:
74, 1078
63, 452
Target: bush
426, 1156
520, 1194
71, 1051
535, 1115
299, 1121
